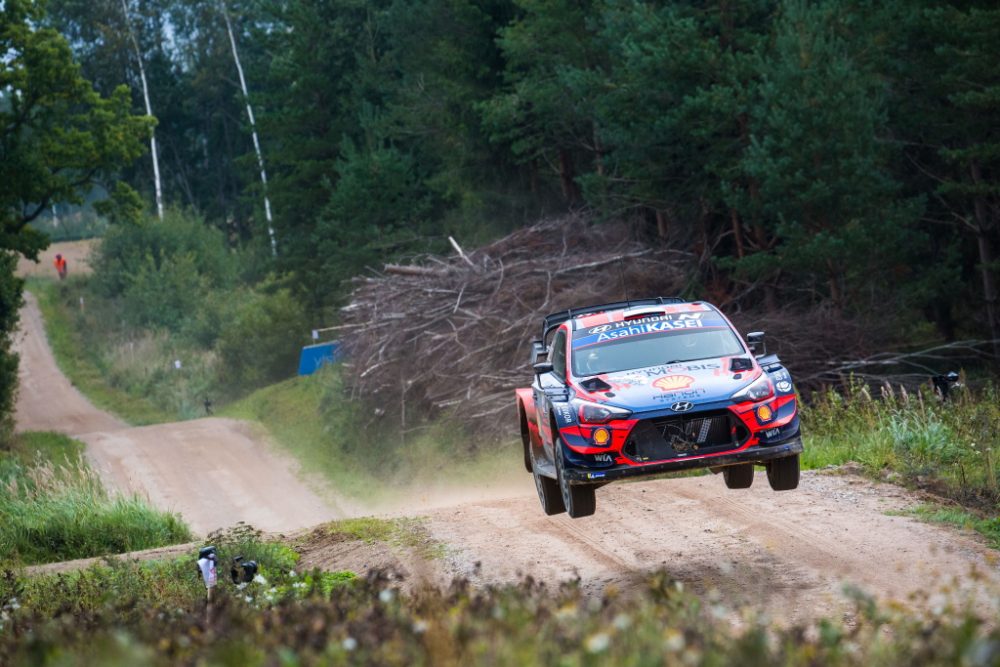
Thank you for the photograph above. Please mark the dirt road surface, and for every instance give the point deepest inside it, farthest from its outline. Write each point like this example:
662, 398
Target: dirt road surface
789, 554
211, 471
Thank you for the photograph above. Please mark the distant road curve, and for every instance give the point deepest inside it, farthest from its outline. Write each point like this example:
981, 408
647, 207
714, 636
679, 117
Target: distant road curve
214, 472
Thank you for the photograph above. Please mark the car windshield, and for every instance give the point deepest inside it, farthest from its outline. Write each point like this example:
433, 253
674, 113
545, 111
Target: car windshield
654, 349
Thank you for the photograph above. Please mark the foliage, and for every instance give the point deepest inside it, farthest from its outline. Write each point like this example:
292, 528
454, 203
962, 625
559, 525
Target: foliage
10, 303
53, 507
259, 343
58, 136
76, 343
319, 621
950, 448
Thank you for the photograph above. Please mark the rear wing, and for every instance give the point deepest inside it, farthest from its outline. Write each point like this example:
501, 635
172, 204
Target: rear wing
555, 319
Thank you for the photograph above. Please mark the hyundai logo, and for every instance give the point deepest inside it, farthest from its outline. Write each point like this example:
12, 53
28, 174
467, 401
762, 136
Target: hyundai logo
600, 329
682, 406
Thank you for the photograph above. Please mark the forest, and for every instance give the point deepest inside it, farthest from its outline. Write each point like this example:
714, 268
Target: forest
840, 156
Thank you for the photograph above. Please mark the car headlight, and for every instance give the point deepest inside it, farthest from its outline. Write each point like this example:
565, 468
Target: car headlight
755, 391
595, 413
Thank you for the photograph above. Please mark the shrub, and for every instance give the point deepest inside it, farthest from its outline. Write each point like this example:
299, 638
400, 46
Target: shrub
260, 344
163, 268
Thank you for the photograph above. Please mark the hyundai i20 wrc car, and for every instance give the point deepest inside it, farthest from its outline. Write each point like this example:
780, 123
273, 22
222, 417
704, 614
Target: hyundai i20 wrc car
648, 386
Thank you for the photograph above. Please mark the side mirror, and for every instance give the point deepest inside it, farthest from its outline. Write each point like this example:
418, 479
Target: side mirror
755, 340
538, 349
542, 367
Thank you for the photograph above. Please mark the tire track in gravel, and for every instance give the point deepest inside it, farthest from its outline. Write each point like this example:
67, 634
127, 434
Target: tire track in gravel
789, 553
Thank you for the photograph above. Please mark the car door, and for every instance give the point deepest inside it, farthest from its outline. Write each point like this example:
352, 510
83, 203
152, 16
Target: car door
551, 388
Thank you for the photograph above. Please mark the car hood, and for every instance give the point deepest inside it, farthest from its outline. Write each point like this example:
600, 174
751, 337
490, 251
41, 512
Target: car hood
657, 387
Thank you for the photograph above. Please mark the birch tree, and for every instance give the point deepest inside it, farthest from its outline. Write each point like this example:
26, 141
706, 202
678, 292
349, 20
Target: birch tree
253, 128
149, 112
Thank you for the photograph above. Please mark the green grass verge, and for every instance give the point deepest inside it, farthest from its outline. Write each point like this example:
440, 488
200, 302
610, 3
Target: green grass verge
53, 507
405, 532
81, 364
959, 518
329, 435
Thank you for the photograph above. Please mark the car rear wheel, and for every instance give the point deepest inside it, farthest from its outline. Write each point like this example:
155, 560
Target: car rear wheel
579, 499
547, 488
783, 474
738, 476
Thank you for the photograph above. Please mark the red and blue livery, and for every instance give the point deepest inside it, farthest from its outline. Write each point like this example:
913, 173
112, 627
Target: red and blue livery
648, 386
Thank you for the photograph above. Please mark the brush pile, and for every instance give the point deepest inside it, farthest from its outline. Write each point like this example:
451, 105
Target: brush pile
454, 334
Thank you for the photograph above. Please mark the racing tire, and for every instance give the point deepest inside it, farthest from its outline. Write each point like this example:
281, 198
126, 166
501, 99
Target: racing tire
578, 499
783, 474
738, 476
548, 490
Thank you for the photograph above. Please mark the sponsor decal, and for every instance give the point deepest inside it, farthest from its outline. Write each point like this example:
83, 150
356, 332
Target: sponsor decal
771, 432
784, 386
764, 413
673, 382
682, 406
603, 458
648, 328
595, 475
649, 319
563, 412
685, 395
703, 367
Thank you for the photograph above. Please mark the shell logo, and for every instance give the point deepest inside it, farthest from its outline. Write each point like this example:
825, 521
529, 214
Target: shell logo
672, 382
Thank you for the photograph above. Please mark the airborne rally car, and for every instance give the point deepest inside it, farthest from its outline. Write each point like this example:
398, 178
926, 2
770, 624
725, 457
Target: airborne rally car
649, 386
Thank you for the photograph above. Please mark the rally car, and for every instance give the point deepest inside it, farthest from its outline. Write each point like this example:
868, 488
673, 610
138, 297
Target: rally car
648, 386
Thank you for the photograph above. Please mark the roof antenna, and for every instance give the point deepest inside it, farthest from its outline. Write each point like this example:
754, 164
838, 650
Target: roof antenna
621, 271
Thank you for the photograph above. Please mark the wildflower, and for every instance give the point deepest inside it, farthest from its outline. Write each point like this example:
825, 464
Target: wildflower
385, 595
673, 639
420, 626
622, 622
349, 643
291, 573
597, 643
260, 579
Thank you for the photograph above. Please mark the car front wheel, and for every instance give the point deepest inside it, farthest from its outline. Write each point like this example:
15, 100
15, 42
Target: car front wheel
547, 488
579, 499
783, 474
738, 476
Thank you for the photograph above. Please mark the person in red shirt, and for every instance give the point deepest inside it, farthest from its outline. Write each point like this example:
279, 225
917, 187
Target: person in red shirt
61, 268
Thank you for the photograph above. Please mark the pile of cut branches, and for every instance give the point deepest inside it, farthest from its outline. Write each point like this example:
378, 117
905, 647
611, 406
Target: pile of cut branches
453, 334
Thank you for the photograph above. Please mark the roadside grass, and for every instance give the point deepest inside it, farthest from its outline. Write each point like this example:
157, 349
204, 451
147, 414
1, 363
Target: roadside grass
406, 532
959, 518
54, 508
155, 614
313, 420
79, 359
130, 589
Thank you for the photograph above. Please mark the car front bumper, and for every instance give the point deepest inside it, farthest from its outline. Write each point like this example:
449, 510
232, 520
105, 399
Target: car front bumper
755, 454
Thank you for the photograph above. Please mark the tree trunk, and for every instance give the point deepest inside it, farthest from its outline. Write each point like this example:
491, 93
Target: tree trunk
737, 232
570, 189
984, 225
662, 225
253, 130
149, 112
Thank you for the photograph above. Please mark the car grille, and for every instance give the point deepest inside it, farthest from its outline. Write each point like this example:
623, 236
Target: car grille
670, 437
